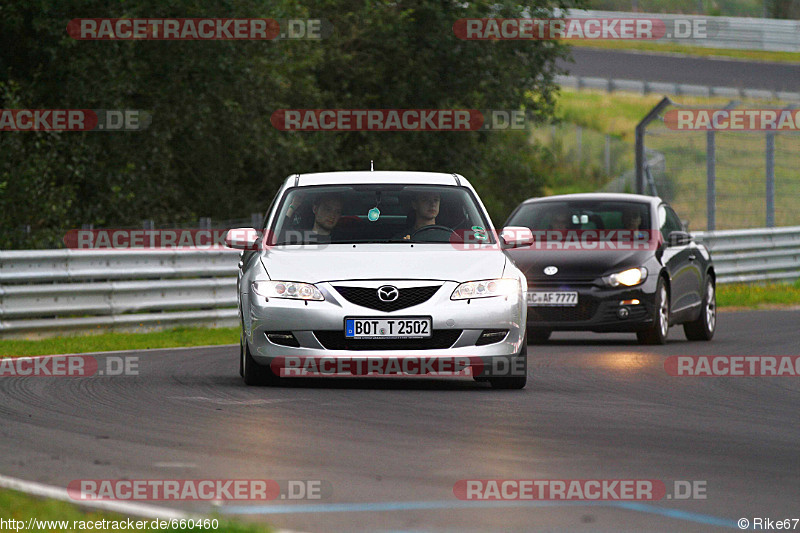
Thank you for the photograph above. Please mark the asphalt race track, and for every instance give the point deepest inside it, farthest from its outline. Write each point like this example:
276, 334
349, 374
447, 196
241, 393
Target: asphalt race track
596, 407
683, 69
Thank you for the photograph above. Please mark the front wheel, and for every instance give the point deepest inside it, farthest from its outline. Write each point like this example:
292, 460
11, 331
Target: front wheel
518, 373
657, 333
702, 329
255, 374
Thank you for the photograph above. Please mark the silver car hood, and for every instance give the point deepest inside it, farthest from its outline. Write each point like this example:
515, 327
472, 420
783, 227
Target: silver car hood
340, 262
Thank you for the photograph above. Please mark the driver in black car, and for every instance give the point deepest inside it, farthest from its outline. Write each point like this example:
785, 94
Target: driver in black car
426, 208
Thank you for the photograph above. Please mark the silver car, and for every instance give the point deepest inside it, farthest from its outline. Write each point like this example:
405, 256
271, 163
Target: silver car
379, 265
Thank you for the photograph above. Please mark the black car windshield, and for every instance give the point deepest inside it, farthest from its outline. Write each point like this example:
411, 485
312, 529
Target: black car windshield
379, 214
583, 215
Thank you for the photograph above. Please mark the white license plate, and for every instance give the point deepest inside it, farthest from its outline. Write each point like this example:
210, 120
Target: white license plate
387, 328
556, 298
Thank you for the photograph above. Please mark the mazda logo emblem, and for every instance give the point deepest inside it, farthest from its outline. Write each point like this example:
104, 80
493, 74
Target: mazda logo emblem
550, 270
387, 293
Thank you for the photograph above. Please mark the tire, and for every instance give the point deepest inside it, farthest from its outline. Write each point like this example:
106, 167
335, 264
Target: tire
514, 382
538, 336
702, 329
255, 374
657, 333
241, 355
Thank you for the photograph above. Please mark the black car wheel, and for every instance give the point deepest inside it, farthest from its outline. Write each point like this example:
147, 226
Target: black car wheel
703, 328
255, 374
657, 333
241, 354
538, 336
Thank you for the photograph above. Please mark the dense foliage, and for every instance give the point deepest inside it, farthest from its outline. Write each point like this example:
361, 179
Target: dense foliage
211, 150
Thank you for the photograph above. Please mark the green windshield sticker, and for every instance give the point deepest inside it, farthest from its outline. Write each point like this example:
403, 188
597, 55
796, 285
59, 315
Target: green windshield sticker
480, 233
374, 214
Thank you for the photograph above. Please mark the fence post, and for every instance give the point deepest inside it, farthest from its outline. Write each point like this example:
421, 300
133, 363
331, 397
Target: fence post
641, 128
607, 154
770, 166
711, 180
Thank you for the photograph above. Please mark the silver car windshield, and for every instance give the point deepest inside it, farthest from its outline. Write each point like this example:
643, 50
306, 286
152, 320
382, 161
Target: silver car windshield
379, 214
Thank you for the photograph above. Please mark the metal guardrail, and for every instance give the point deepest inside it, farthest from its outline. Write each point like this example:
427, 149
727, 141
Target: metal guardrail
740, 33
752, 255
673, 89
48, 291
51, 291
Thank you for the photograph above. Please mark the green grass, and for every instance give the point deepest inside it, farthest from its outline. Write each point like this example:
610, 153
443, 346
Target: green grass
616, 113
19, 506
171, 338
756, 296
698, 51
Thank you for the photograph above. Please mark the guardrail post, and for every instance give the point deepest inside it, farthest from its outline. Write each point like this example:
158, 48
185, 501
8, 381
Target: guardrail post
711, 180
770, 168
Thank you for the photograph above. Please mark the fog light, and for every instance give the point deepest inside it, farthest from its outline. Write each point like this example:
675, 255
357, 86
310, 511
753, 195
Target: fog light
623, 312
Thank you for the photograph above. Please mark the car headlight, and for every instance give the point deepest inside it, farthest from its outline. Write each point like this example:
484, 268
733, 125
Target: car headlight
629, 278
485, 288
287, 289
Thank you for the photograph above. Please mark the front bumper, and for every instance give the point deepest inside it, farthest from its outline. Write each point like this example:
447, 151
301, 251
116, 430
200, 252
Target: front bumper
598, 307
316, 329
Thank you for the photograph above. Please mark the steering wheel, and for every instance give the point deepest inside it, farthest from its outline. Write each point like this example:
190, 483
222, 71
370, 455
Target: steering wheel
435, 228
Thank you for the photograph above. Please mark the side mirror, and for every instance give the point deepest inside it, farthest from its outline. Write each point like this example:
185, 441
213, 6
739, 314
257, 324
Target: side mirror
516, 236
241, 238
679, 238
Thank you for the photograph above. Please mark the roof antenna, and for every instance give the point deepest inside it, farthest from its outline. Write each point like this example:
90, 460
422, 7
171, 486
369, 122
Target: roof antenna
371, 166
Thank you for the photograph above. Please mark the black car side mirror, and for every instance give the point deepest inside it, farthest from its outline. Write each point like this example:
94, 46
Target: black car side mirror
679, 238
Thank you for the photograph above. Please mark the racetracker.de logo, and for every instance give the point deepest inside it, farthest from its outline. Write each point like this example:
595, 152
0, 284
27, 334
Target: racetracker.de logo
197, 29
732, 365
733, 119
559, 489
611, 28
520, 238
199, 489
376, 366
69, 366
74, 119
559, 28
397, 119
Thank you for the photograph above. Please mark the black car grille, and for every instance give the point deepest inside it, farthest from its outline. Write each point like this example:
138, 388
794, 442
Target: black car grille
367, 297
439, 339
585, 310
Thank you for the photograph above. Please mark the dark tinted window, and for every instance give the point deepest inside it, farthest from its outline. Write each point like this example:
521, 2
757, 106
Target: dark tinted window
583, 214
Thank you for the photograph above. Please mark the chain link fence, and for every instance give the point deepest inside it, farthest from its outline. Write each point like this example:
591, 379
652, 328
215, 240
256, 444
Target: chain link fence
721, 180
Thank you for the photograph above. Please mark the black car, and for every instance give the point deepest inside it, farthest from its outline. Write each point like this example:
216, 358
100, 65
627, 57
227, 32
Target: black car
611, 263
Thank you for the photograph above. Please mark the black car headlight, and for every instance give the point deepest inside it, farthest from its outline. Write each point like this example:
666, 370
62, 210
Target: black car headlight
628, 278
